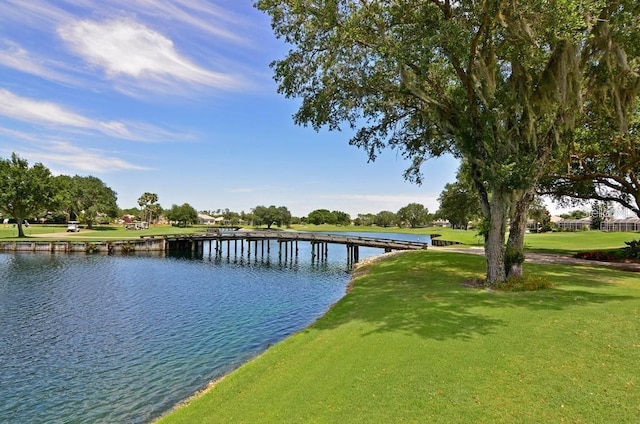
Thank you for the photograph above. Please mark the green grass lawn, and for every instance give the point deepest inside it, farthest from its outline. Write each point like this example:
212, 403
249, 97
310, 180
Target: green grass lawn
410, 344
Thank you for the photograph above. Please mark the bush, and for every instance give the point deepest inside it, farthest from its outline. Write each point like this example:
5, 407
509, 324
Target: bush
525, 283
632, 251
596, 256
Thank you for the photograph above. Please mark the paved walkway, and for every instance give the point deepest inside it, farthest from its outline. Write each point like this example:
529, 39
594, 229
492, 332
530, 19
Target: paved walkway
551, 258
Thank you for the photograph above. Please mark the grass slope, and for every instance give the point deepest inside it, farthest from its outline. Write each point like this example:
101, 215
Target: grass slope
410, 344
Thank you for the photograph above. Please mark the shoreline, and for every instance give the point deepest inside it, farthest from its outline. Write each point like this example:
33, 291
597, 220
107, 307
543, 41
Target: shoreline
213, 383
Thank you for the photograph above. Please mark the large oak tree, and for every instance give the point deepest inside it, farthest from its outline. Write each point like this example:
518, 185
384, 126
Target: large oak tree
271, 215
499, 84
602, 163
25, 192
183, 215
86, 198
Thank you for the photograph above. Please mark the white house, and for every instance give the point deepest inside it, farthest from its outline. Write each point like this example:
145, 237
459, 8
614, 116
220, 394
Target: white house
205, 219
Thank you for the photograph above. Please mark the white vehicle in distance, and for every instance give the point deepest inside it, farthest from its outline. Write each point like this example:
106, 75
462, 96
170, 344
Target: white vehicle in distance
73, 227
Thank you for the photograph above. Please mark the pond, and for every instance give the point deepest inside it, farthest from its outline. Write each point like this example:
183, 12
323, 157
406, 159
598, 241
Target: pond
97, 338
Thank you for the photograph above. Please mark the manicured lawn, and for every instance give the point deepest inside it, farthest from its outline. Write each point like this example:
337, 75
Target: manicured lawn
578, 241
409, 343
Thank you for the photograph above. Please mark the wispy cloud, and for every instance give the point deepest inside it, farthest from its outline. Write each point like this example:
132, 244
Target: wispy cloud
29, 110
204, 16
51, 114
65, 157
12, 55
128, 52
140, 47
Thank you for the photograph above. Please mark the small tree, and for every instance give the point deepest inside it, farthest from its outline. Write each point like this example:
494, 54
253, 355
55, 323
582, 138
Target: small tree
386, 219
341, 218
600, 212
272, 215
413, 214
320, 216
459, 203
574, 214
183, 215
540, 215
365, 219
148, 204
85, 198
24, 192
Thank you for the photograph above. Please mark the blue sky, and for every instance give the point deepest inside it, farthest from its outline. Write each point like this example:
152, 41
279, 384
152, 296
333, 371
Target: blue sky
177, 98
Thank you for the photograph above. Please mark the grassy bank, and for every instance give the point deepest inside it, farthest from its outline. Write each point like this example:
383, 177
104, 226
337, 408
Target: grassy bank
409, 343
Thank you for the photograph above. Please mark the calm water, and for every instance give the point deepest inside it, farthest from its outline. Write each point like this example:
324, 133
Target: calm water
94, 338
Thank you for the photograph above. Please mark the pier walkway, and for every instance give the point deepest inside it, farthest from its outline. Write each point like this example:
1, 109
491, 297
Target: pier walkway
229, 242
258, 242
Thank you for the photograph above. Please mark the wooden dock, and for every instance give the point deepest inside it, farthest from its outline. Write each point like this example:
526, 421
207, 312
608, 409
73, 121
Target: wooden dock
236, 243
258, 243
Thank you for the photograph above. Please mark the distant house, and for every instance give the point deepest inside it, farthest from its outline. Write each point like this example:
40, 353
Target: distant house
555, 219
442, 223
574, 224
205, 219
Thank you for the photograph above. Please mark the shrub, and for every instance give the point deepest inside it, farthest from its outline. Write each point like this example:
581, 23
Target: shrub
596, 256
90, 248
632, 251
128, 248
525, 283
519, 284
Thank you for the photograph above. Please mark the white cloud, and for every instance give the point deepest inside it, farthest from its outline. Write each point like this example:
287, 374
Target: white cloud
51, 114
131, 52
16, 57
142, 47
33, 13
64, 157
202, 15
25, 109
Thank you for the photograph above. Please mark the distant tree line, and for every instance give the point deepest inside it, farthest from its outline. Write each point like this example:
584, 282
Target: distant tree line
33, 193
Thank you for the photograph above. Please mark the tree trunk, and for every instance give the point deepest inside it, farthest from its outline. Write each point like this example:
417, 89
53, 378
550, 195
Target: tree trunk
514, 252
20, 230
494, 240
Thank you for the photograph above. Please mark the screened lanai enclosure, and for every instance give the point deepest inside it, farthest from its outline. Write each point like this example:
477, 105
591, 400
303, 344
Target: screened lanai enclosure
574, 224
624, 224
